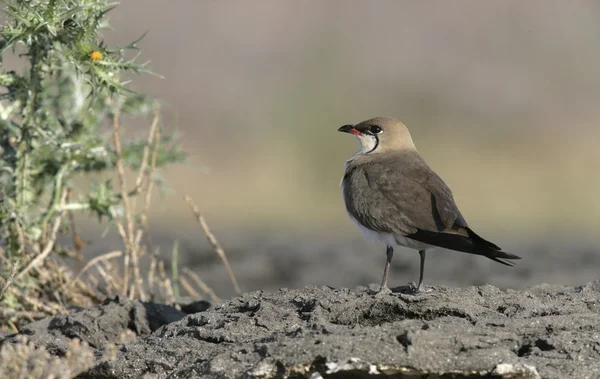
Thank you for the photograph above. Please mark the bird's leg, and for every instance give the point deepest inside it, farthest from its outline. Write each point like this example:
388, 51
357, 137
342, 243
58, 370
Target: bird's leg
389, 252
422, 254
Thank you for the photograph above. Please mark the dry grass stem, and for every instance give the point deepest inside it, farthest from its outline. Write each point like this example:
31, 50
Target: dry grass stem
131, 291
107, 256
151, 137
87, 292
8, 281
137, 252
128, 237
147, 200
202, 285
110, 284
188, 287
29, 315
92, 279
59, 301
167, 287
12, 326
149, 188
21, 238
123, 233
152, 273
50, 243
48, 309
114, 274
78, 243
213, 241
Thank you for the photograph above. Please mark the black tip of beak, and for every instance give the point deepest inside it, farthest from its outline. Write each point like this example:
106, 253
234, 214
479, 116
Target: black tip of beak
346, 128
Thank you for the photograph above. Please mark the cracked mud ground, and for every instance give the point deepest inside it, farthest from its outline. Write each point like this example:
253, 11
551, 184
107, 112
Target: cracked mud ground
544, 331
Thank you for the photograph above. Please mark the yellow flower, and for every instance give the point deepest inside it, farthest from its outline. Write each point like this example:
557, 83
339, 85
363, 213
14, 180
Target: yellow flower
95, 55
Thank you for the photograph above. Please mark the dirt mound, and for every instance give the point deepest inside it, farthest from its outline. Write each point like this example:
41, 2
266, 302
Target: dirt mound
547, 331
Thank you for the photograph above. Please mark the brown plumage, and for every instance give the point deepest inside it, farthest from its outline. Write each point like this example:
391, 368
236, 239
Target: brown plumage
394, 196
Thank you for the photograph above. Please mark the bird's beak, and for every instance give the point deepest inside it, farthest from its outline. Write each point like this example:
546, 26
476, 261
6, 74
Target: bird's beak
349, 129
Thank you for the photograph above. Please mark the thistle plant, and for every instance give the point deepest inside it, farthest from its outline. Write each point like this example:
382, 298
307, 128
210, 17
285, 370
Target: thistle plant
59, 118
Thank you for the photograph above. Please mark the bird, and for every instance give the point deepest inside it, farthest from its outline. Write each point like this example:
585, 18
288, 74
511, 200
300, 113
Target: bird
394, 197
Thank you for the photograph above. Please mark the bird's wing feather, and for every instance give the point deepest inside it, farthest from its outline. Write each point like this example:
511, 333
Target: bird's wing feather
409, 196
424, 197
370, 207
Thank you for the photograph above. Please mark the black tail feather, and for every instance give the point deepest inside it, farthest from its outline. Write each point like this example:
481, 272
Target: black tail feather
472, 244
493, 251
506, 263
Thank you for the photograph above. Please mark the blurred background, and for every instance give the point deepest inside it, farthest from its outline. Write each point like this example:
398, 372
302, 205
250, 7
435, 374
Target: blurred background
501, 99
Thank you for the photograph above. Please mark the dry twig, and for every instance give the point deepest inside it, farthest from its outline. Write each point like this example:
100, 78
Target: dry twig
123, 233
50, 243
78, 243
146, 210
188, 287
91, 263
8, 281
108, 279
151, 273
213, 241
167, 286
128, 231
130, 238
152, 135
202, 285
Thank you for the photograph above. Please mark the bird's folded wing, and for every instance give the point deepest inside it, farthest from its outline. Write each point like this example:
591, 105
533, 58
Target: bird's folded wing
402, 199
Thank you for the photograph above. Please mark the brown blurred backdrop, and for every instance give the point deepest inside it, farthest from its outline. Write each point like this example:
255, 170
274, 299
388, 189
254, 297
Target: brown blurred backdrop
501, 98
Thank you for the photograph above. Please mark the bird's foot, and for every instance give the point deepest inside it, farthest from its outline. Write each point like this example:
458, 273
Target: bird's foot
414, 289
383, 291
424, 289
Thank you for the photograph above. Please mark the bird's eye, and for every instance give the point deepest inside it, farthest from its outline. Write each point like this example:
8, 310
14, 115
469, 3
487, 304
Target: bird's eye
374, 129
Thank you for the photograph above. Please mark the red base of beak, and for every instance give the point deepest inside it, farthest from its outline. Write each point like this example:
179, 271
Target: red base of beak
349, 129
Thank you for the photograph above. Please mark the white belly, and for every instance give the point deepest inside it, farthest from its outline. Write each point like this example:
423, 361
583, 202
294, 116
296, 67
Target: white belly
388, 238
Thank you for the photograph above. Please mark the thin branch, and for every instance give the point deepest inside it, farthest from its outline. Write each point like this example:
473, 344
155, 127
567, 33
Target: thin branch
108, 280
78, 243
30, 316
188, 287
169, 296
115, 276
151, 273
21, 238
123, 234
49, 308
175, 268
139, 181
213, 241
15, 268
10, 278
151, 137
202, 285
146, 208
136, 268
129, 237
92, 279
148, 195
50, 243
91, 263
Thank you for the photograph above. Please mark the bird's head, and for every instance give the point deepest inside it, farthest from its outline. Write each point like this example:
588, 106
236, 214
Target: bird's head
380, 134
